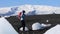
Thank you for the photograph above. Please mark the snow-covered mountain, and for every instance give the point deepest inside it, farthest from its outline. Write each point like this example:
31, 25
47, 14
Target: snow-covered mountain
30, 10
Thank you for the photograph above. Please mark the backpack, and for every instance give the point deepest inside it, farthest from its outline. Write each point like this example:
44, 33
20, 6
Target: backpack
19, 15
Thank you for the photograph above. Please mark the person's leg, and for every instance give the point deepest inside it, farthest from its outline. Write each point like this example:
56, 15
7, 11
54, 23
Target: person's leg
23, 25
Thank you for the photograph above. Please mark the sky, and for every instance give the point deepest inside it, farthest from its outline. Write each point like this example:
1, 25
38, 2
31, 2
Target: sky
8, 3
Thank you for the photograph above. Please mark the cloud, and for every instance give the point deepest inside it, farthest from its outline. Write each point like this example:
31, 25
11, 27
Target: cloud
4, 10
29, 8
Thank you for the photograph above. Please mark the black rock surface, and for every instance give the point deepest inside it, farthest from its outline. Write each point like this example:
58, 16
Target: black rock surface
53, 19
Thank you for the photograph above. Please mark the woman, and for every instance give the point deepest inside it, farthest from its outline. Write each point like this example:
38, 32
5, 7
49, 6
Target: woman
21, 16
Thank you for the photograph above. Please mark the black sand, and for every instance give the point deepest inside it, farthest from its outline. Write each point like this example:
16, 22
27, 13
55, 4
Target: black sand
53, 19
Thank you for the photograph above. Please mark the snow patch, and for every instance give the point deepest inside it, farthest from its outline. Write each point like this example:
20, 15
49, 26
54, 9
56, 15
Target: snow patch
36, 26
5, 27
54, 30
26, 29
46, 25
47, 20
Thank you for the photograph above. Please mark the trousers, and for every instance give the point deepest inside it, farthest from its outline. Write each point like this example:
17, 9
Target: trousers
23, 24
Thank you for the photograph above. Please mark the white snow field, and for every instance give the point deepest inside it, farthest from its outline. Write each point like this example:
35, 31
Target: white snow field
26, 29
5, 27
54, 30
37, 26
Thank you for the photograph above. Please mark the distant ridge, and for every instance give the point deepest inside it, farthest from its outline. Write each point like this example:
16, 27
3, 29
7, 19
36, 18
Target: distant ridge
39, 10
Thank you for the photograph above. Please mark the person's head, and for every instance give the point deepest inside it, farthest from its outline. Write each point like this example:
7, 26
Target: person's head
23, 11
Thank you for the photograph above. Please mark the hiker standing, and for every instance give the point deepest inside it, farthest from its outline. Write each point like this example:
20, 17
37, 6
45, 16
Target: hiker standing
21, 16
